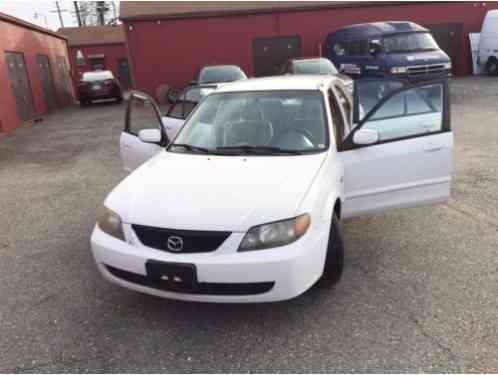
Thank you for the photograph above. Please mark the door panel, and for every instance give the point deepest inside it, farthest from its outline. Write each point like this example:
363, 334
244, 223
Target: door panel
21, 86
47, 81
411, 164
270, 54
397, 174
66, 97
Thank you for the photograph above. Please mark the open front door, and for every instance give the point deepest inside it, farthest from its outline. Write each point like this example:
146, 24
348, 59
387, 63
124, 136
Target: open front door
142, 113
400, 153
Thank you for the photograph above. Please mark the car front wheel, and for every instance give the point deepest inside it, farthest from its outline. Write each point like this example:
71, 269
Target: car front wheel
334, 260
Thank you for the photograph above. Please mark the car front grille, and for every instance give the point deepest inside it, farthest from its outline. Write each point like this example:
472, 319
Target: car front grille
180, 241
425, 70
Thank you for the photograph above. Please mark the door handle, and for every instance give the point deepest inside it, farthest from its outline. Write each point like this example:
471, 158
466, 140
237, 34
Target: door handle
433, 149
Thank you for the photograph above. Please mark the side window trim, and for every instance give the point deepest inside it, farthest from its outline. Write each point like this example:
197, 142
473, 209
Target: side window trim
336, 121
348, 143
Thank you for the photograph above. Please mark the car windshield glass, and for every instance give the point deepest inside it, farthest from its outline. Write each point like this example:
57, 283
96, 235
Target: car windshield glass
321, 66
263, 123
409, 42
221, 74
96, 76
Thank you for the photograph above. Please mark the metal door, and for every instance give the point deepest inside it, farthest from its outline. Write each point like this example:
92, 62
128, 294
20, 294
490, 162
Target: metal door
47, 81
124, 74
20, 84
270, 54
448, 36
66, 97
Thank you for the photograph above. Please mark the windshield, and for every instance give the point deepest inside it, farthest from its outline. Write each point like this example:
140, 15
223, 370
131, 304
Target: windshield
409, 42
226, 73
97, 76
320, 66
263, 123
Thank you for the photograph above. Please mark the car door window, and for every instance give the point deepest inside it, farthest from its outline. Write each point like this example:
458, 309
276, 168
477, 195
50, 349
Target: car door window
369, 93
412, 112
188, 100
142, 114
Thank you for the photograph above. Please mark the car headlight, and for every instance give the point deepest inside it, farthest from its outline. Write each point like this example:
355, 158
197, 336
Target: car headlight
275, 234
447, 65
110, 223
398, 70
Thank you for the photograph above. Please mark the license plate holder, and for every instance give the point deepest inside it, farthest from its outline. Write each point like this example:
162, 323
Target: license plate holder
172, 276
97, 87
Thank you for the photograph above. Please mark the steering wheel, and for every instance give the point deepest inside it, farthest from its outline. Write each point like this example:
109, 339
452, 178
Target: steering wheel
247, 127
304, 132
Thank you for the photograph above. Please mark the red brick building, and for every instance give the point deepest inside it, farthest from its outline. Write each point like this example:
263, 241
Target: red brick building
34, 72
98, 48
169, 41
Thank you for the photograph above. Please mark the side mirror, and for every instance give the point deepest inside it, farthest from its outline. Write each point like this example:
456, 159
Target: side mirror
366, 137
150, 135
374, 48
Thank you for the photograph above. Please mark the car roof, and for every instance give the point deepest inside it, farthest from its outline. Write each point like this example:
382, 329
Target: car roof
294, 82
378, 29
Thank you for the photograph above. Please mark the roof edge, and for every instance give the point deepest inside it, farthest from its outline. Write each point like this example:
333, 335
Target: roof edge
157, 17
19, 22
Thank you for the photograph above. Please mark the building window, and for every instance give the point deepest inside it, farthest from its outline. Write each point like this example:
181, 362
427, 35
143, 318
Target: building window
97, 63
80, 58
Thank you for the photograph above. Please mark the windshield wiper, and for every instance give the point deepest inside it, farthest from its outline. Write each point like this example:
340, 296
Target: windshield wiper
258, 150
191, 147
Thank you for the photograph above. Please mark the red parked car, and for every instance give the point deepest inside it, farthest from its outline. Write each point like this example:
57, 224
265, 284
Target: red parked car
99, 85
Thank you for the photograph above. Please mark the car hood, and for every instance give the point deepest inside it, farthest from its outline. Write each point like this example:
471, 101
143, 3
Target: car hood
417, 58
226, 193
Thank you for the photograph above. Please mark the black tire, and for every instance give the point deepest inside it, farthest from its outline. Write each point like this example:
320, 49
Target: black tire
334, 261
492, 66
119, 99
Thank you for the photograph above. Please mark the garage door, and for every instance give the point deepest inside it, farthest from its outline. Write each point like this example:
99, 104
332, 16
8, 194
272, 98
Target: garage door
47, 81
449, 37
21, 87
270, 54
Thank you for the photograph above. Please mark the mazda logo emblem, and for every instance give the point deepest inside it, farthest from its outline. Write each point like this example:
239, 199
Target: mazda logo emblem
175, 243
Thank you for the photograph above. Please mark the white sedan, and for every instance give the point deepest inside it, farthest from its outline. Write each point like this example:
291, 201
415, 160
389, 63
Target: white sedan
244, 203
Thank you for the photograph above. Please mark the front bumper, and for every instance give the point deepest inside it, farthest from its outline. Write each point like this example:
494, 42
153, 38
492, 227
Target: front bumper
224, 275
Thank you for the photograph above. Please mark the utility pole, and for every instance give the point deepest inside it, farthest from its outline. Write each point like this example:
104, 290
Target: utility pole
77, 10
59, 11
101, 9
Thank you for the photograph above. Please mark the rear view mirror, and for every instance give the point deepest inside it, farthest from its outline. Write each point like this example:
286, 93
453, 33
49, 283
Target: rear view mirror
150, 135
366, 137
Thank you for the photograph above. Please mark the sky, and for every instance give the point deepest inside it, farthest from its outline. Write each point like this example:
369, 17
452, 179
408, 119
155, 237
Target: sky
40, 12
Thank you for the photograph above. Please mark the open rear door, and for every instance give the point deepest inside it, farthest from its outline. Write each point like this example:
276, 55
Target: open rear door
405, 157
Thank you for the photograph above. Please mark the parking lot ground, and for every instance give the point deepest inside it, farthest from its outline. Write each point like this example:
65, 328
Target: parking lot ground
419, 291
